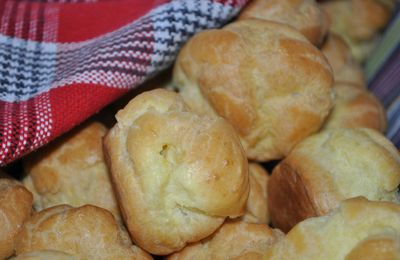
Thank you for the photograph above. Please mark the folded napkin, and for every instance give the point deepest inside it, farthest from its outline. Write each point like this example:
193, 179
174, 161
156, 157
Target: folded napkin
61, 61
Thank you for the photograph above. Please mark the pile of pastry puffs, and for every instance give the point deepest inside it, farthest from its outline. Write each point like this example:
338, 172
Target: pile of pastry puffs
184, 171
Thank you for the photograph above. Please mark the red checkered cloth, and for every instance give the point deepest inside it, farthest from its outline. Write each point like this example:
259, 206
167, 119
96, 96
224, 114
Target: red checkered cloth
61, 61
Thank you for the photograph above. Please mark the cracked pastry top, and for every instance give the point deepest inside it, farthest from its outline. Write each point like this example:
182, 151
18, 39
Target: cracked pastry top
177, 174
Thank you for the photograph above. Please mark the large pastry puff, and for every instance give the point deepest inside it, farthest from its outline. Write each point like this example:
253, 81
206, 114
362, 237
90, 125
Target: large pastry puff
264, 77
72, 171
329, 167
344, 67
304, 15
87, 232
256, 207
358, 224
233, 240
356, 107
358, 22
15, 208
178, 175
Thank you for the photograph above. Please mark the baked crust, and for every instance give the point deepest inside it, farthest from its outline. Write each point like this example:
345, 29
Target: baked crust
356, 223
304, 15
257, 206
344, 67
355, 107
356, 19
331, 166
45, 255
86, 232
288, 198
233, 240
358, 22
72, 171
385, 246
241, 73
15, 208
178, 175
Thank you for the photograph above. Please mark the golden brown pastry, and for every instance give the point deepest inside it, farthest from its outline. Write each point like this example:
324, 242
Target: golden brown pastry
358, 22
265, 78
344, 67
72, 171
384, 246
87, 232
340, 234
45, 255
256, 207
329, 167
304, 15
357, 19
233, 240
178, 175
15, 208
356, 107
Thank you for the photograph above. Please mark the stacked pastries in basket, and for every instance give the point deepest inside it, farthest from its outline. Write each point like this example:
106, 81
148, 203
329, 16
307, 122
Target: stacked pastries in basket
181, 172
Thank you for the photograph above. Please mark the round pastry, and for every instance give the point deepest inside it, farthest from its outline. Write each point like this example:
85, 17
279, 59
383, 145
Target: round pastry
356, 19
356, 107
87, 232
256, 207
45, 255
178, 175
341, 234
233, 240
344, 67
358, 22
264, 77
15, 208
72, 171
304, 15
329, 167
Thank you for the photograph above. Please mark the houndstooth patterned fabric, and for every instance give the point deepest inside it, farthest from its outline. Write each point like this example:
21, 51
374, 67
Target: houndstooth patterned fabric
62, 61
